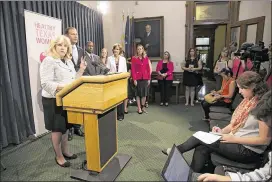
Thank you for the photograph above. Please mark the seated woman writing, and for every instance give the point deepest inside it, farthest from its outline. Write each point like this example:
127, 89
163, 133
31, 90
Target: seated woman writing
263, 112
244, 139
221, 97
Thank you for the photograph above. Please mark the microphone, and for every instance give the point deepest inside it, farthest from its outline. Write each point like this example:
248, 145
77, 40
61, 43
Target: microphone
103, 68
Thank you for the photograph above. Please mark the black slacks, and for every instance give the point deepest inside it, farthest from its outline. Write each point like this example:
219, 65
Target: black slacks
206, 106
165, 89
231, 151
120, 111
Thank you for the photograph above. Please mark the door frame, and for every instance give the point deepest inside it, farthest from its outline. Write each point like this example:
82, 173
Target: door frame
234, 7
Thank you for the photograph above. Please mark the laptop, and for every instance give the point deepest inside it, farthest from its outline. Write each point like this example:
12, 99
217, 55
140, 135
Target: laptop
176, 167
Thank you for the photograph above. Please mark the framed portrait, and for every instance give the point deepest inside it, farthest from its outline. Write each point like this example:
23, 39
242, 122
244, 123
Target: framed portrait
149, 33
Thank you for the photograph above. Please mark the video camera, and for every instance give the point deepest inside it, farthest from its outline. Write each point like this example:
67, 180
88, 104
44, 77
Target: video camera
256, 53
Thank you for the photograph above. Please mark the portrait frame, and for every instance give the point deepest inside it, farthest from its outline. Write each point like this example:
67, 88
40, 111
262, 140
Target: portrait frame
156, 52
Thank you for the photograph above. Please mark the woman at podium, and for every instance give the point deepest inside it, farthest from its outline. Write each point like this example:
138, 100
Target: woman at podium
56, 71
141, 73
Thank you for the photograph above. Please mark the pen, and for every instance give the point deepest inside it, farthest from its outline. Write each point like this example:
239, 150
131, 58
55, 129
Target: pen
216, 130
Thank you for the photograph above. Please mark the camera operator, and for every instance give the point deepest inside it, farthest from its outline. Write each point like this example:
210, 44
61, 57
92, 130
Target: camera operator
257, 53
249, 57
240, 61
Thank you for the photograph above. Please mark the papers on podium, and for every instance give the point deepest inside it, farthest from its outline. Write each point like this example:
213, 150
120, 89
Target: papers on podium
207, 138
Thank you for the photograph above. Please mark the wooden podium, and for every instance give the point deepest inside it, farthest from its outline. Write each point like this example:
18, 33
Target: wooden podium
91, 101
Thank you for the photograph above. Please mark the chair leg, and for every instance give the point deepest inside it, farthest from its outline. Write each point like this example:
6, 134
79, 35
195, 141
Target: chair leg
153, 94
177, 95
2, 167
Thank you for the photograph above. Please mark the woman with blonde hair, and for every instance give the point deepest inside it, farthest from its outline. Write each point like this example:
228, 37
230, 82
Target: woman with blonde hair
104, 56
117, 63
56, 71
245, 139
141, 73
220, 64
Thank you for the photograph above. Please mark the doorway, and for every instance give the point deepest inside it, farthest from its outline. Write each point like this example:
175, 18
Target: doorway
209, 40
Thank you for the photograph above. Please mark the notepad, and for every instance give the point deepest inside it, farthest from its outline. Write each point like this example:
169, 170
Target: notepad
207, 138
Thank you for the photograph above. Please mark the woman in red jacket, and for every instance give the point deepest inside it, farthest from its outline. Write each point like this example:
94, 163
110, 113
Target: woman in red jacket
165, 69
141, 73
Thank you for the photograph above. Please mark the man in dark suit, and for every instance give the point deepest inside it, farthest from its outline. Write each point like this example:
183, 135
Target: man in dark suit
93, 60
77, 55
150, 42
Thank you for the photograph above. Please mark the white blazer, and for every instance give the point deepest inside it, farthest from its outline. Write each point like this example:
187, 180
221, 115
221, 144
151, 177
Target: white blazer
54, 72
122, 65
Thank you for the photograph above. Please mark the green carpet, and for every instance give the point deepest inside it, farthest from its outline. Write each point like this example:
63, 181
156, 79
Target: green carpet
141, 136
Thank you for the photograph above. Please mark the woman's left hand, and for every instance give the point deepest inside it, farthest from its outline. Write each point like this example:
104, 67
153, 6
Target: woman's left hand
83, 64
227, 138
148, 82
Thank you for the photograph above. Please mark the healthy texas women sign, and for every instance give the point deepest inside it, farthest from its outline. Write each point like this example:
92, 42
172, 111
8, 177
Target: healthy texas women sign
44, 32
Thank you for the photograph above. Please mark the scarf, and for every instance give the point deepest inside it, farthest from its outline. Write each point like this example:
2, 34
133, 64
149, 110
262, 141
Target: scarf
241, 113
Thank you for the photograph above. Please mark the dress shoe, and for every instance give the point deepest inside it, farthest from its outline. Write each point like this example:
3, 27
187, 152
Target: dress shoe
79, 132
74, 156
70, 134
164, 151
65, 164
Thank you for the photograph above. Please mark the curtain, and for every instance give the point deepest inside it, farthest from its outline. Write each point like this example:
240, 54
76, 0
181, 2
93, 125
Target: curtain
16, 112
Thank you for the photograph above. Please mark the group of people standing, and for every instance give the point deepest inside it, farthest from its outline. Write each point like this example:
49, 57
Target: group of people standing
66, 62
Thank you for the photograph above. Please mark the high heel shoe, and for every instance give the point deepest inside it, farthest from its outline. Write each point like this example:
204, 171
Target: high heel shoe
65, 164
143, 109
74, 156
140, 112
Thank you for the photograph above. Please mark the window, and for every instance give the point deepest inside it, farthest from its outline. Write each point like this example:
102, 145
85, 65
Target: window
202, 41
251, 33
212, 11
235, 35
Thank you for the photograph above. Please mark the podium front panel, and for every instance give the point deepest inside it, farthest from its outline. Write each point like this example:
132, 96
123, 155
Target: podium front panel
107, 136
